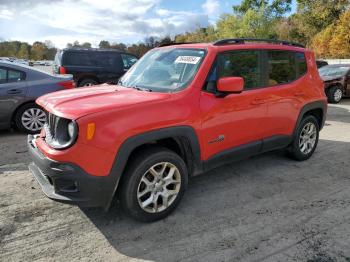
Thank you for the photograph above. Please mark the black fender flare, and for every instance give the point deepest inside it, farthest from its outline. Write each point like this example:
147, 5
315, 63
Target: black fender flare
312, 106
133, 142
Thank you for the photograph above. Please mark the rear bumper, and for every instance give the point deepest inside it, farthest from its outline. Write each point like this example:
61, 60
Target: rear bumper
68, 183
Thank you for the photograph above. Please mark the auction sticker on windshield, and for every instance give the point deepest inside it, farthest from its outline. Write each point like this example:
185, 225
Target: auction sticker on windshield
188, 59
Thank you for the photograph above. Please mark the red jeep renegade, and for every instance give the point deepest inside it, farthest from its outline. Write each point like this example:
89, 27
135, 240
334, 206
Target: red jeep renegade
179, 111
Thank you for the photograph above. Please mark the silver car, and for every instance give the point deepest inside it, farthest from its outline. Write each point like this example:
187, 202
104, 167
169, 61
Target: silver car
20, 86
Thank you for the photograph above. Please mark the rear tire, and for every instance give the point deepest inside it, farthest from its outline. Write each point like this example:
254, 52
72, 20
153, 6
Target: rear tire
153, 184
305, 140
30, 118
87, 82
335, 94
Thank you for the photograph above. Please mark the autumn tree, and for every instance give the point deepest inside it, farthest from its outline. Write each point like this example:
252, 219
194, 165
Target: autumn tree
315, 15
104, 44
23, 51
119, 46
204, 34
38, 51
340, 43
334, 40
86, 45
276, 8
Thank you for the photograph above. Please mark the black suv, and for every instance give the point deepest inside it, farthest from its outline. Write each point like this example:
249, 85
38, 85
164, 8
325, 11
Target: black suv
93, 66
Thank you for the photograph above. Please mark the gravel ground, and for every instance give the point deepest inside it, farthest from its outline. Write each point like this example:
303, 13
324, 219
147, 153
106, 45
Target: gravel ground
267, 208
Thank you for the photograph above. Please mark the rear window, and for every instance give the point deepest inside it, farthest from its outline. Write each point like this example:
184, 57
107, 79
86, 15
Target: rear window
107, 59
285, 66
77, 59
14, 76
101, 59
8, 75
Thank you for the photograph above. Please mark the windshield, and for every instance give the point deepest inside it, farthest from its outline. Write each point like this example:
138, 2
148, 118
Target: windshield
333, 71
164, 70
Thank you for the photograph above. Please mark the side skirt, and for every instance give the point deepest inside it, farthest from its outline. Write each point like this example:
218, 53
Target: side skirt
246, 151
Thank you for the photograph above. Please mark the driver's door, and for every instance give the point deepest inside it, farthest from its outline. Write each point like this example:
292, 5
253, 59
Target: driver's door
234, 123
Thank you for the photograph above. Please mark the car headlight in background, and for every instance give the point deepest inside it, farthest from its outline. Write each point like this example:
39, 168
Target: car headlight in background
61, 133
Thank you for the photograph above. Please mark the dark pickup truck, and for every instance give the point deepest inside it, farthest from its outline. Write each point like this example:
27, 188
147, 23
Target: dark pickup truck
93, 66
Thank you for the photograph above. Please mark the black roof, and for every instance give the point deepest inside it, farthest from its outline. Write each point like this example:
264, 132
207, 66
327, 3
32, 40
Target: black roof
82, 49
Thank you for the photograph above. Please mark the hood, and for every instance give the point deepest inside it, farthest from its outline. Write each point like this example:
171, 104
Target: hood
79, 102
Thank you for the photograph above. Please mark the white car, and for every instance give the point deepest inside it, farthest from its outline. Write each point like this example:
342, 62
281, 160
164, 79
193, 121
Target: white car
21, 61
48, 63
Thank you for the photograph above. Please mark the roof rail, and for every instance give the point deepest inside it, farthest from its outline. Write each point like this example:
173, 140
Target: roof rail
230, 41
182, 43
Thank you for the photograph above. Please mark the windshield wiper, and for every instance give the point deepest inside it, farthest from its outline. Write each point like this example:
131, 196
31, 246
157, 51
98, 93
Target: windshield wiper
141, 88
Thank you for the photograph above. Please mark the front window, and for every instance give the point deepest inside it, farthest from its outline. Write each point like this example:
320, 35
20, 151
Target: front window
128, 60
333, 71
241, 63
164, 70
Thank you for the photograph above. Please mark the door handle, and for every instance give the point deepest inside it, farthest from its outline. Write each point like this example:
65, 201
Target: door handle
298, 94
258, 101
14, 91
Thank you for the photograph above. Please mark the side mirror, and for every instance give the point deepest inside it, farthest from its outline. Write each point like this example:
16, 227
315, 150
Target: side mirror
230, 84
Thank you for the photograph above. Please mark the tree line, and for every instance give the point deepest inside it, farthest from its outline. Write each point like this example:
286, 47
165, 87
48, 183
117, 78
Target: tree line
46, 50
321, 25
36, 51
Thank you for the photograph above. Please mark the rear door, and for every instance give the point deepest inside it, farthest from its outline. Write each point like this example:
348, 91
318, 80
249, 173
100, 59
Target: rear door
13, 90
288, 86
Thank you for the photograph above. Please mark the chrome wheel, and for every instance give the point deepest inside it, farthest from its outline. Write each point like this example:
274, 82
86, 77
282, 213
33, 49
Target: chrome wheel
33, 119
338, 94
307, 139
159, 187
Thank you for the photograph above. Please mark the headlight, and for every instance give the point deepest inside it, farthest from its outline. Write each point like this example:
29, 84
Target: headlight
60, 132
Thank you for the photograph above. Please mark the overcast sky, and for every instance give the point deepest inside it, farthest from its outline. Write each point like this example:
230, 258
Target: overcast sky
128, 21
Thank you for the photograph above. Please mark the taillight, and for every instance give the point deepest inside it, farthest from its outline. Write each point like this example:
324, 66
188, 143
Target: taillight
67, 84
61, 70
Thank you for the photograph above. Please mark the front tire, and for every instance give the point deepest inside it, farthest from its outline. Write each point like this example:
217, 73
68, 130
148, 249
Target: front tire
30, 118
305, 140
335, 94
153, 184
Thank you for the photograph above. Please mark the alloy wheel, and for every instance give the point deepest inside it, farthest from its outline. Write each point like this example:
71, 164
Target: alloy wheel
159, 187
307, 139
338, 94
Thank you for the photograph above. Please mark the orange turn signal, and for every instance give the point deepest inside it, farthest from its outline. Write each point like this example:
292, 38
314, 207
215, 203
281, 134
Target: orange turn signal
90, 131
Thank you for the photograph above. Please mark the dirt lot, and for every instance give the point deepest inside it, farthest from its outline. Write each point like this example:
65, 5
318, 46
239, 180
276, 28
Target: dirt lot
267, 208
